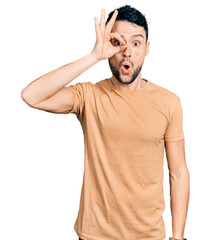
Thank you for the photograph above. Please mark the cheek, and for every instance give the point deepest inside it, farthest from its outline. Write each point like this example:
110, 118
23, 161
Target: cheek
139, 57
114, 60
137, 62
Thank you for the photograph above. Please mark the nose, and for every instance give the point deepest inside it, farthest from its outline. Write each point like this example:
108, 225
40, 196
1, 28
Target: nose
127, 52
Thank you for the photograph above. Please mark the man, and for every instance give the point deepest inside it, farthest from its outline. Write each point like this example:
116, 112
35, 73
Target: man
127, 121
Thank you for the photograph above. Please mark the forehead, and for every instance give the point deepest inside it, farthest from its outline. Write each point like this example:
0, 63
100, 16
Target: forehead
127, 29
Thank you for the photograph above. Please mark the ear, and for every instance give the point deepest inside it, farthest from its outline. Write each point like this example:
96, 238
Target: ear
147, 47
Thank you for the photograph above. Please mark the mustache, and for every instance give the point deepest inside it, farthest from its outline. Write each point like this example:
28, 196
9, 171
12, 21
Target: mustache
126, 60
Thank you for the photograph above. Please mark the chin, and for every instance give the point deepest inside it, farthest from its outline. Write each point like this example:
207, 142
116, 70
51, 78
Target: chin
126, 79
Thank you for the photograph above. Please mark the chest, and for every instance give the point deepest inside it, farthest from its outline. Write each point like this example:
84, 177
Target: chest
130, 119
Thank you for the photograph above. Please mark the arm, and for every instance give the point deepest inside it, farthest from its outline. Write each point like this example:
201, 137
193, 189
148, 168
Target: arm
179, 178
49, 93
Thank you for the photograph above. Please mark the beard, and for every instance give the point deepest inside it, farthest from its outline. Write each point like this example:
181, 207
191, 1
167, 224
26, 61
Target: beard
116, 73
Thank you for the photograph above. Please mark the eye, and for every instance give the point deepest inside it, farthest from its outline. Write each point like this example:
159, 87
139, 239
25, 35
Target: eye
116, 42
136, 43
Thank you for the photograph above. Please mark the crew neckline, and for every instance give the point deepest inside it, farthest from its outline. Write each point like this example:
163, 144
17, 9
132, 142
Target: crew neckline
128, 91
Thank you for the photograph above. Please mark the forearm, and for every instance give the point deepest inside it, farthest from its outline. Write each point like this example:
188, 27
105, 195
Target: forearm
50, 83
179, 192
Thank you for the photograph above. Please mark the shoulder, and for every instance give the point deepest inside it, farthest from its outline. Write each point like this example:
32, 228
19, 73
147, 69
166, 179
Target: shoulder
80, 85
89, 88
163, 99
162, 93
99, 87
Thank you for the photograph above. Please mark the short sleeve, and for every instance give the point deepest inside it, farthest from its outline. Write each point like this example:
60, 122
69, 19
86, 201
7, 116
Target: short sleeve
174, 130
79, 91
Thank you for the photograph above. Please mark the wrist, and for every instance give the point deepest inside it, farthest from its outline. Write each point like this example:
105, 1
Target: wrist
92, 54
173, 238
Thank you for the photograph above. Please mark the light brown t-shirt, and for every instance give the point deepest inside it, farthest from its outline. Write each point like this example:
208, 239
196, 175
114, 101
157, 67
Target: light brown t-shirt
124, 133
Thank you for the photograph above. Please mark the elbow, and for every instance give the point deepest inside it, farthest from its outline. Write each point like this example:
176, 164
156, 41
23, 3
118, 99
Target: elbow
23, 95
179, 173
26, 99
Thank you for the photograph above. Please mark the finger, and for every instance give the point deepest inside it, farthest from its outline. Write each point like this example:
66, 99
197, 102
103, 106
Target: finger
97, 29
111, 21
102, 21
120, 48
114, 36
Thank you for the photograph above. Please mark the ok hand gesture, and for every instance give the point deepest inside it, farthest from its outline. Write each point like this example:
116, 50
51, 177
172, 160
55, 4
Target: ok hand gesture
103, 48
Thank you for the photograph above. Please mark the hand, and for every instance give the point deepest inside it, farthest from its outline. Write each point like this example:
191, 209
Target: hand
103, 48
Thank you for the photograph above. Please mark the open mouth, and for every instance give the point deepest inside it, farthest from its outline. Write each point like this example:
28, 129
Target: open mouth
126, 67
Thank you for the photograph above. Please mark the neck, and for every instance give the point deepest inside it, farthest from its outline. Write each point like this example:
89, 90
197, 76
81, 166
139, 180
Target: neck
135, 85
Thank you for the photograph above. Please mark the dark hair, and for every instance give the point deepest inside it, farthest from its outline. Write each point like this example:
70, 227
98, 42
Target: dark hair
127, 13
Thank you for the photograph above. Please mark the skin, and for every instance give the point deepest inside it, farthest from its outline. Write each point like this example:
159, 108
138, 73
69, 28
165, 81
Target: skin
135, 52
107, 47
115, 42
49, 94
179, 178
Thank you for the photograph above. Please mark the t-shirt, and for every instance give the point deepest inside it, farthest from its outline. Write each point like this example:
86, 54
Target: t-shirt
124, 133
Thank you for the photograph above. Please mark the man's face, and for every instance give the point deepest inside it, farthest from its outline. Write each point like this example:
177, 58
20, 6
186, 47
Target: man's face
134, 54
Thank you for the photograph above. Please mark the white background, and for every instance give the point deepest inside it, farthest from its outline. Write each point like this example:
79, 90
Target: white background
42, 154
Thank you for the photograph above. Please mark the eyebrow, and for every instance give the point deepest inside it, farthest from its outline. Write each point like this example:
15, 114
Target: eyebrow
135, 35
